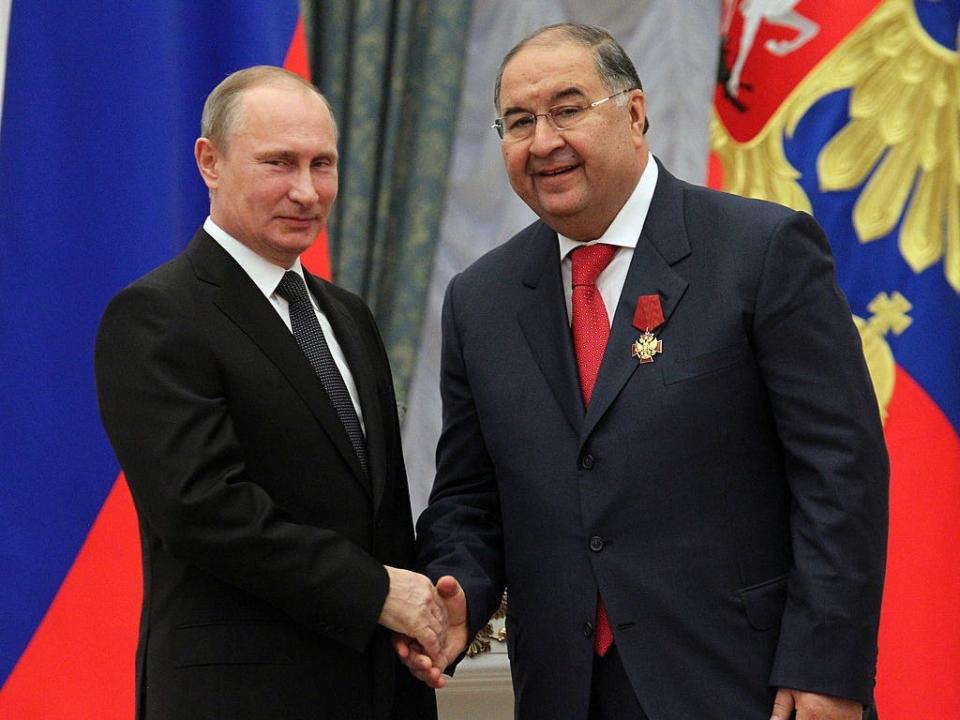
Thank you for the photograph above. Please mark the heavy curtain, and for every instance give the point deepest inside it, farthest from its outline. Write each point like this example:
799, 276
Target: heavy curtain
392, 71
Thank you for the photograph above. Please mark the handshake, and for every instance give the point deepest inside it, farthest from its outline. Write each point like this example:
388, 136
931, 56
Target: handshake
429, 622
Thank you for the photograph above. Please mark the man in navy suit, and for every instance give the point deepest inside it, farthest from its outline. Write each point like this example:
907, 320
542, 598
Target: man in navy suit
658, 430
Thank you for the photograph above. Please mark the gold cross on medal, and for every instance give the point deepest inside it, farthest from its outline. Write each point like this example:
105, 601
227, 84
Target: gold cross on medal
646, 346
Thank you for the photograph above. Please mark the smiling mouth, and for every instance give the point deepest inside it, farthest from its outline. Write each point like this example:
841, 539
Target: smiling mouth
557, 171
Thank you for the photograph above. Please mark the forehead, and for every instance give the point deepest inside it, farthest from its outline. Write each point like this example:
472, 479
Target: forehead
283, 111
539, 72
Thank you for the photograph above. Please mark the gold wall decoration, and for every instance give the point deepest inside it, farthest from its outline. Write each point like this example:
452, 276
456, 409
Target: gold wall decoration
759, 168
903, 133
889, 314
481, 643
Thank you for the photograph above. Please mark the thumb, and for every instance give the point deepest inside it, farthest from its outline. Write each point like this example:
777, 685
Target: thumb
783, 705
448, 587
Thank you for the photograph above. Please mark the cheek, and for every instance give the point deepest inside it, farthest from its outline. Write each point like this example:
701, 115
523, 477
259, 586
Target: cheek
327, 188
515, 161
268, 193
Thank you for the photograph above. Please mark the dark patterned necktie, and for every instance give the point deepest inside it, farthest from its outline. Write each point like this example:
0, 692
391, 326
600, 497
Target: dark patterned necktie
309, 334
591, 328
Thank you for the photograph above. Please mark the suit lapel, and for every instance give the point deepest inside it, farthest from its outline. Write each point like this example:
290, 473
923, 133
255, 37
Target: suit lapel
242, 302
358, 358
543, 319
662, 243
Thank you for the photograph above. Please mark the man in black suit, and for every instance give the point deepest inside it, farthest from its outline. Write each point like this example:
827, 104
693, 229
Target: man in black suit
658, 429
252, 409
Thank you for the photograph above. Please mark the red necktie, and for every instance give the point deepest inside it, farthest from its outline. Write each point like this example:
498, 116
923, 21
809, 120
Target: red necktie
591, 328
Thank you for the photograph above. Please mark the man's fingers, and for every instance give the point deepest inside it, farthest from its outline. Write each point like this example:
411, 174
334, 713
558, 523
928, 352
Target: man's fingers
431, 677
412, 604
411, 653
429, 622
448, 587
400, 645
429, 637
417, 662
421, 666
438, 657
814, 706
783, 705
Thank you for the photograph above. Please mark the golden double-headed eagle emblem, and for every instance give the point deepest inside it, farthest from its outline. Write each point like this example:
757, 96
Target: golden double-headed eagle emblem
903, 133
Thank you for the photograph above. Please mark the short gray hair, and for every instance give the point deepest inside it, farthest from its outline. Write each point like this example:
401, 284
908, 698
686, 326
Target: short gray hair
221, 109
614, 66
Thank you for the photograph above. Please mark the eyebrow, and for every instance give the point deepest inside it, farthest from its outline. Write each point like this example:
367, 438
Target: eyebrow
274, 153
291, 155
564, 94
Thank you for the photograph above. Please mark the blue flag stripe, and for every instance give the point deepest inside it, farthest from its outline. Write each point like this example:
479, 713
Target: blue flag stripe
97, 185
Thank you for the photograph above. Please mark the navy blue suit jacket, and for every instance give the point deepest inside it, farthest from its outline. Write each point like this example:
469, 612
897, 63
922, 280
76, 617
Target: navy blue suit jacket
727, 500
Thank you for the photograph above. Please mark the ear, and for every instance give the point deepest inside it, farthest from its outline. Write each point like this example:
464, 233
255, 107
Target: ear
638, 115
208, 162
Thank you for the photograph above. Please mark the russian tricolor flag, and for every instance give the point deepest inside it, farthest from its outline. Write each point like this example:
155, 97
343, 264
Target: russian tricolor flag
852, 111
100, 107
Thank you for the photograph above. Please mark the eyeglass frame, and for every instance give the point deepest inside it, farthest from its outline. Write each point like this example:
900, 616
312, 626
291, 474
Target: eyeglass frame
498, 123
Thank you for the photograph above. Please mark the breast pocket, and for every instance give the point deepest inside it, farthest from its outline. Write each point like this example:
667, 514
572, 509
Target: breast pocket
707, 363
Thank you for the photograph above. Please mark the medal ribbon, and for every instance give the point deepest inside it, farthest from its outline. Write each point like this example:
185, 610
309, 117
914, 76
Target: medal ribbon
649, 313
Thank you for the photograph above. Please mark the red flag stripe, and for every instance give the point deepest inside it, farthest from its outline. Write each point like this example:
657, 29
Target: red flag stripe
80, 661
919, 635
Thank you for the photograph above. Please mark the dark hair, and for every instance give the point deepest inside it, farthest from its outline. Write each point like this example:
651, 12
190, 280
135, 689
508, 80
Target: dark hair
614, 66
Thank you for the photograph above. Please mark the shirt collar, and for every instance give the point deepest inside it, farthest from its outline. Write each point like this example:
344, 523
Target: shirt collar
264, 273
626, 226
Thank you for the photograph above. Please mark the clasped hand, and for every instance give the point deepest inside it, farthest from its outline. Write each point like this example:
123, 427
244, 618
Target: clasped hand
429, 623
813, 706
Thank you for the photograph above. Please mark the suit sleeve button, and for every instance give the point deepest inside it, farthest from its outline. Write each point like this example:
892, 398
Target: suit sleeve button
587, 462
588, 629
596, 543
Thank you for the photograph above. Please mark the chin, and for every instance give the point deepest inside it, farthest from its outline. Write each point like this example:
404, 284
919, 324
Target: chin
563, 214
299, 238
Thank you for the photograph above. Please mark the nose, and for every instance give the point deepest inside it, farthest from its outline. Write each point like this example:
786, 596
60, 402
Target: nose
302, 189
546, 138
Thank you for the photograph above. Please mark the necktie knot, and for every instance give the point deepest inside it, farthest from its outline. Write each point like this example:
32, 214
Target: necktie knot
292, 288
589, 261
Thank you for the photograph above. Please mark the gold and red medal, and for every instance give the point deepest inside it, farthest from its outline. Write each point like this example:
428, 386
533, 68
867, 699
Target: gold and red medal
647, 318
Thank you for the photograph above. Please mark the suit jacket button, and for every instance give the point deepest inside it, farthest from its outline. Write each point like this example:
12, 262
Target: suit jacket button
588, 629
587, 462
596, 543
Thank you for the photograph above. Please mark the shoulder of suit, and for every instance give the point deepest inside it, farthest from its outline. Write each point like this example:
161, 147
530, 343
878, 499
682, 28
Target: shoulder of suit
700, 199
164, 277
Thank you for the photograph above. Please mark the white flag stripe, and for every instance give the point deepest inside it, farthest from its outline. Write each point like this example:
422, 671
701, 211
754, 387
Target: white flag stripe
4, 32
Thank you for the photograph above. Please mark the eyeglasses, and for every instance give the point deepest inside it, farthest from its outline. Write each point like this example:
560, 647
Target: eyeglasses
521, 125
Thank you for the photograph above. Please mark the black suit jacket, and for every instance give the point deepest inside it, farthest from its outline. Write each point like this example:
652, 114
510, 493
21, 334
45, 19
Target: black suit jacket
728, 500
263, 542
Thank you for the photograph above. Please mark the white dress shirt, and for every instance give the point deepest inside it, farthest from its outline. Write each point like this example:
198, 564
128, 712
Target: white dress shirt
623, 232
266, 276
